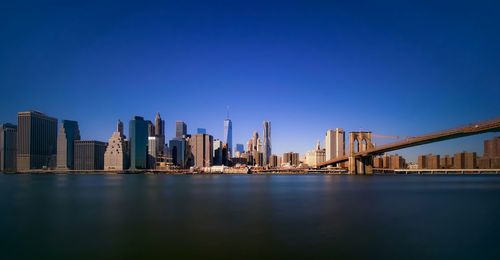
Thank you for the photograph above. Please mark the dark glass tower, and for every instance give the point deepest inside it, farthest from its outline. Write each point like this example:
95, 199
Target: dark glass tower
138, 132
68, 134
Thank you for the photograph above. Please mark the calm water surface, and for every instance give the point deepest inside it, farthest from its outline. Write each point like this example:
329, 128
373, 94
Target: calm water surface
249, 216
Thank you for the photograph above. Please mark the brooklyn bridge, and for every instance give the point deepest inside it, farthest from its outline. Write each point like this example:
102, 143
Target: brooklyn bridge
362, 149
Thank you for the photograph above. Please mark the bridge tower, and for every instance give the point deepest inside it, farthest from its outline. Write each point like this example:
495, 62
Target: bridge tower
358, 142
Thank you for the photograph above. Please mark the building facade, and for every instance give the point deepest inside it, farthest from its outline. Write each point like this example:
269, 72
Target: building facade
334, 143
36, 141
228, 136
89, 155
116, 155
178, 150
68, 134
160, 134
180, 129
8, 140
291, 159
200, 150
266, 142
316, 156
138, 132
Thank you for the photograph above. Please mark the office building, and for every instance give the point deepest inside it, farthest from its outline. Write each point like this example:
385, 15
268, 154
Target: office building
491, 155
291, 159
180, 129
160, 134
334, 143
138, 132
446, 162
8, 143
36, 141
200, 150
178, 150
397, 162
316, 156
201, 130
429, 161
89, 155
153, 151
116, 155
266, 142
274, 161
68, 134
240, 148
218, 152
228, 136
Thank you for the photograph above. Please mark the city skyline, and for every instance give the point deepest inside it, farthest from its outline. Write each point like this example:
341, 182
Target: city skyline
393, 68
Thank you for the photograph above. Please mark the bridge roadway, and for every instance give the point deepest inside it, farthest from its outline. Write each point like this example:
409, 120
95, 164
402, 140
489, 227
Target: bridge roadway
470, 129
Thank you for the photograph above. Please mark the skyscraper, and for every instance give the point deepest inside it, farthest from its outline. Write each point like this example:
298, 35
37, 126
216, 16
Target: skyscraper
116, 157
68, 134
138, 131
178, 151
266, 144
217, 152
200, 147
335, 143
8, 138
201, 131
180, 129
153, 151
160, 133
36, 141
228, 136
89, 155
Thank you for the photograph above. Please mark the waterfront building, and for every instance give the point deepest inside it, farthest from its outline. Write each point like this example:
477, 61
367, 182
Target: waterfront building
273, 161
180, 129
178, 151
334, 143
153, 151
429, 161
116, 155
218, 152
36, 141
228, 136
386, 162
8, 140
138, 132
378, 162
68, 134
491, 155
248, 158
160, 134
258, 158
266, 142
465, 160
446, 162
398, 162
291, 159
200, 150
315, 157
89, 155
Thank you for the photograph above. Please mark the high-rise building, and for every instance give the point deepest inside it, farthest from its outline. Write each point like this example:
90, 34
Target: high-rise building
138, 131
273, 161
266, 142
151, 128
68, 134
201, 131
228, 136
316, 156
429, 161
153, 151
180, 129
116, 155
200, 149
160, 133
446, 162
398, 162
178, 151
291, 158
218, 152
240, 148
8, 139
465, 160
89, 155
491, 155
36, 141
334, 143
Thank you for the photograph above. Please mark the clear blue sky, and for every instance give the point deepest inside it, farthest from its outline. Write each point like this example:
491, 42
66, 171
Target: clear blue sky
393, 67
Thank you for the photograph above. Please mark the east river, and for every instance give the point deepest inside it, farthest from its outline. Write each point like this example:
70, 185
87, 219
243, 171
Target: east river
311, 216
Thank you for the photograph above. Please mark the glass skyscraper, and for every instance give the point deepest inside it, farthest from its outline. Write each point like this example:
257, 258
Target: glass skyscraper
68, 134
138, 131
266, 144
228, 136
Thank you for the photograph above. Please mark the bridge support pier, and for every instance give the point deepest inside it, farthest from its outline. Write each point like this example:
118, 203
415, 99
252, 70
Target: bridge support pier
360, 165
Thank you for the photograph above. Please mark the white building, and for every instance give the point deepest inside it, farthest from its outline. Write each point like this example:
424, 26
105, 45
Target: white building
334, 143
315, 157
